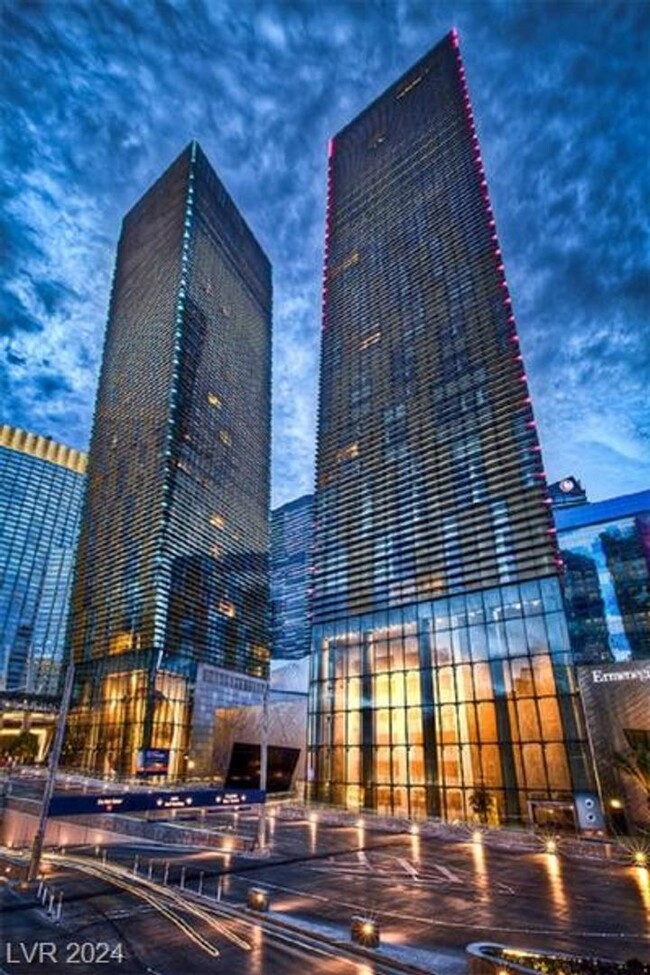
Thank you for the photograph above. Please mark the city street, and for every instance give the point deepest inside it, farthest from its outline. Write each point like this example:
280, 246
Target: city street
431, 896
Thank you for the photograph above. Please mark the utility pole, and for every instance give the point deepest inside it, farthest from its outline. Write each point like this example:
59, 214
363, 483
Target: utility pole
39, 836
264, 754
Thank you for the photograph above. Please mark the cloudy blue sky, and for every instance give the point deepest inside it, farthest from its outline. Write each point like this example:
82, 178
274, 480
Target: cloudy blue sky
101, 95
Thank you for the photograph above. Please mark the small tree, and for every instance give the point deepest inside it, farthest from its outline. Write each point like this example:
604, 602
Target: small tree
481, 802
636, 764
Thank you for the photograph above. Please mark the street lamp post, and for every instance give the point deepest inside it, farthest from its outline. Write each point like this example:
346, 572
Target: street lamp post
264, 752
55, 754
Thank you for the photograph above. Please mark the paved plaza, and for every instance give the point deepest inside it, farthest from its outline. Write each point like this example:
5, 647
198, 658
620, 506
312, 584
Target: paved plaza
432, 892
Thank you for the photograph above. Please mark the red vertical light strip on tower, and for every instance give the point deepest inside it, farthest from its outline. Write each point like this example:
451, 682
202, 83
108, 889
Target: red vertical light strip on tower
328, 226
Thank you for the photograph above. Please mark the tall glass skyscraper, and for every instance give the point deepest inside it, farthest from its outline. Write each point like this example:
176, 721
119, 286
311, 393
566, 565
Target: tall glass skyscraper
41, 489
171, 583
291, 535
441, 662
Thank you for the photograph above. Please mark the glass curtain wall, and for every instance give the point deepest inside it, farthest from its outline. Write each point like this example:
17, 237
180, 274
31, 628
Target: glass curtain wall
413, 709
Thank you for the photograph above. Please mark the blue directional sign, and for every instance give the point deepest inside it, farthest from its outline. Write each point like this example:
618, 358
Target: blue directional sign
65, 804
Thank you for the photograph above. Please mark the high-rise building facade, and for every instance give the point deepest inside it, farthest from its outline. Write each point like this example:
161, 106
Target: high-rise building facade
606, 550
41, 490
291, 534
441, 662
171, 583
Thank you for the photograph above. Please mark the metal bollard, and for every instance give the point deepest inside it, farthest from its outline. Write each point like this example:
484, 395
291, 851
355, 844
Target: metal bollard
50, 907
200, 890
182, 884
59, 907
104, 857
40, 888
136, 864
150, 871
219, 888
166, 874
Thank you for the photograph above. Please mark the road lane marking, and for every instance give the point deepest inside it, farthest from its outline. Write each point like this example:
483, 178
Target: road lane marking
408, 868
447, 873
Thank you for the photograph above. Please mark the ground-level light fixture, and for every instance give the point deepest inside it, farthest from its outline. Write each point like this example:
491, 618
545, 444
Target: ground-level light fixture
551, 846
641, 858
258, 899
364, 931
616, 803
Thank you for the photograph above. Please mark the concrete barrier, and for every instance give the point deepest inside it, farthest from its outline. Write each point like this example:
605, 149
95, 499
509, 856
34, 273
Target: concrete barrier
20, 816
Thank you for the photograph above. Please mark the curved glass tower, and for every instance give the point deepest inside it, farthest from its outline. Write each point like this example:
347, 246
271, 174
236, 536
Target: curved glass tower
441, 664
41, 490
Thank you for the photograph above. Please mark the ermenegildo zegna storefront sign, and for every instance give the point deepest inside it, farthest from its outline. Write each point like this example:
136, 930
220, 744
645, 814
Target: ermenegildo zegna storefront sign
600, 676
616, 703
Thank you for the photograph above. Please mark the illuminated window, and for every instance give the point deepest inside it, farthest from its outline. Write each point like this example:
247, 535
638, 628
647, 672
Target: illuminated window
410, 85
122, 642
347, 453
370, 340
226, 608
215, 400
347, 262
217, 521
225, 438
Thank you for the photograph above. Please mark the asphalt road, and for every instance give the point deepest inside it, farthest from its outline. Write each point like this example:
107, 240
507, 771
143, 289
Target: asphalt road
431, 896
117, 932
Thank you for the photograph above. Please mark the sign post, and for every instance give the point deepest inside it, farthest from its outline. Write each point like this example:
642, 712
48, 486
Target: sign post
55, 754
264, 758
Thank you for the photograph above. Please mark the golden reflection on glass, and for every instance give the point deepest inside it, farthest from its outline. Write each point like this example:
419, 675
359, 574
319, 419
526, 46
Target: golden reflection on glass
642, 878
556, 881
